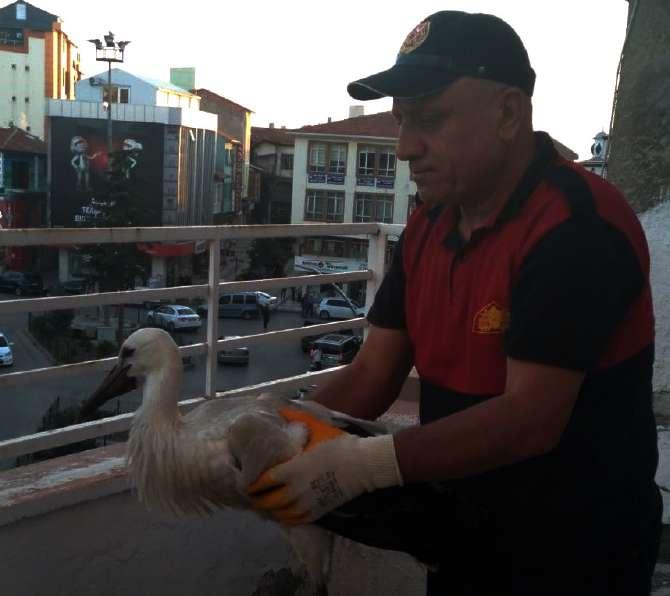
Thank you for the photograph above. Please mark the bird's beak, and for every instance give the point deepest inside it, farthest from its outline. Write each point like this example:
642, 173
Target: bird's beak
117, 382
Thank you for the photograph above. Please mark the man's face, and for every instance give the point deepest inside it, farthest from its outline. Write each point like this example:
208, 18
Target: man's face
451, 141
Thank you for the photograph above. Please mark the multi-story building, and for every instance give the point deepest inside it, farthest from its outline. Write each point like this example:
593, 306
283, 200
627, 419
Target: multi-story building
171, 144
346, 171
22, 191
37, 61
272, 153
237, 185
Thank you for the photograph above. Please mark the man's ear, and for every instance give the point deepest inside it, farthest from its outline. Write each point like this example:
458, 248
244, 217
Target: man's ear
514, 111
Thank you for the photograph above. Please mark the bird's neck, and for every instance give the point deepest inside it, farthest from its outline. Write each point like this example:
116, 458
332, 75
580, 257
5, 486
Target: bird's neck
161, 396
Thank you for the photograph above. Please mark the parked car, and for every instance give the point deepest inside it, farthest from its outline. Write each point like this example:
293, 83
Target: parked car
71, 286
6, 355
241, 304
307, 341
20, 283
233, 355
338, 308
337, 349
173, 317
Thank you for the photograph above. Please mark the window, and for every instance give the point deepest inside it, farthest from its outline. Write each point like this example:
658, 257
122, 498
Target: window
337, 159
118, 94
366, 161
376, 161
321, 205
250, 299
386, 163
27, 68
11, 37
20, 175
312, 246
225, 299
359, 249
317, 157
286, 161
238, 299
327, 158
370, 207
333, 248
20, 12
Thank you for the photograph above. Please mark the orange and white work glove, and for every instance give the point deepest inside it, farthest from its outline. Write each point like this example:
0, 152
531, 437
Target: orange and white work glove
333, 468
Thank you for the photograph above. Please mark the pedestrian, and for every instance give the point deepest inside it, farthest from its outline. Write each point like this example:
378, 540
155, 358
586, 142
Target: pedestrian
315, 357
265, 315
283, 295
519, 290
305, 305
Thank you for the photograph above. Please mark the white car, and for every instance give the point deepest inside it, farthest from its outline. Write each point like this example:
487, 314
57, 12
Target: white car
265, 299
173, 317
6, 356
339, 308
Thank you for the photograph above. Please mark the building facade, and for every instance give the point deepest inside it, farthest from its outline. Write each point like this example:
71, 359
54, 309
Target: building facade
236, 185
343, 172
22, 191
38, 61
272, 153
172, 153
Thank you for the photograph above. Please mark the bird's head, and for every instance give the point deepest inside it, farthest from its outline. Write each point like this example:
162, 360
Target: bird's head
145, 352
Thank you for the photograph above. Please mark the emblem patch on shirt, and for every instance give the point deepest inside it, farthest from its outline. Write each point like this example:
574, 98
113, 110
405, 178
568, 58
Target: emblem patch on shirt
493, 318
416, 37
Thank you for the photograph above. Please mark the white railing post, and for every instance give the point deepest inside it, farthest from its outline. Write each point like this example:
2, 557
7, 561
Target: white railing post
212, 316
376, 262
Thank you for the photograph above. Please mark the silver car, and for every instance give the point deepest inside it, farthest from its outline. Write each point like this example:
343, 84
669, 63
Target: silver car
173, 317
6, 355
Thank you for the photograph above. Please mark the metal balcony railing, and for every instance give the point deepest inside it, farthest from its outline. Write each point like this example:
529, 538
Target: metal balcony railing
214, 236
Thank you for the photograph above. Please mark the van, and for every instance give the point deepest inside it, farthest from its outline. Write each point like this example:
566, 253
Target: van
238, 304
337, 349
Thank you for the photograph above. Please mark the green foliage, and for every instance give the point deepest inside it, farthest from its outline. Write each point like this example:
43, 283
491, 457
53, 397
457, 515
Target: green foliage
116, 266
268, 258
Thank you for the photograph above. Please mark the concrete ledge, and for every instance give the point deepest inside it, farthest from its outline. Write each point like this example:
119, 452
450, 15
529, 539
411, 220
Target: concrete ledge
40, 488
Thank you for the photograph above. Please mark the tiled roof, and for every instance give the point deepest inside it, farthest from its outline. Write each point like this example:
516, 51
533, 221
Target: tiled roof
383, 125
17, 139
375, 125
211, 96
274, 136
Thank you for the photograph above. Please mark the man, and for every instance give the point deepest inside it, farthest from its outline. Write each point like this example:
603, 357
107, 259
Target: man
520, 292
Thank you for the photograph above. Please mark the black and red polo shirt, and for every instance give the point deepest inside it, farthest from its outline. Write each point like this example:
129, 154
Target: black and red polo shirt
560, 276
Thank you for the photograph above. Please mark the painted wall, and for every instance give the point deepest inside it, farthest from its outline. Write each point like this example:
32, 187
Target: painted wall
656, 224
22, 76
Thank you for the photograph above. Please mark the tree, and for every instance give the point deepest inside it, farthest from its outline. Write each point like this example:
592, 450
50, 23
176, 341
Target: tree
115, 267
268, 258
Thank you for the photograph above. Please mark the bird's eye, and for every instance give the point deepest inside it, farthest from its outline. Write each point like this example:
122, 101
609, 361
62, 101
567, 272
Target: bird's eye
127, 352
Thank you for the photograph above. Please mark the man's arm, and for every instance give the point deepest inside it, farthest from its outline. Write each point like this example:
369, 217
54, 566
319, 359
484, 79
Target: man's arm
526, 421
370, 384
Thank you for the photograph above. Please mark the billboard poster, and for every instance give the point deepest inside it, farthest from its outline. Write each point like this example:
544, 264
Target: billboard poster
78, 154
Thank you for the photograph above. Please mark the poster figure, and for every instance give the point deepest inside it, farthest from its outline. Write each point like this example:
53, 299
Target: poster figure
80, 162
131, 149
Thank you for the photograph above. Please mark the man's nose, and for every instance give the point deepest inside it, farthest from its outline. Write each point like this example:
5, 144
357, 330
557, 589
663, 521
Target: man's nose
409, 145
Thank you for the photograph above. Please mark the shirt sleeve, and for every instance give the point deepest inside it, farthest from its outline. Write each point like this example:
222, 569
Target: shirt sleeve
572, 291
388, 308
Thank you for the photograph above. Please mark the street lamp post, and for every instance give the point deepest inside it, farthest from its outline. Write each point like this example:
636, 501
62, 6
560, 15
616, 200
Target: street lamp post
109, 51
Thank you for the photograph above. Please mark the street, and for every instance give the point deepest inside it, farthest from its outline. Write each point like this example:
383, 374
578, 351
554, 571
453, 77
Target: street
24, 406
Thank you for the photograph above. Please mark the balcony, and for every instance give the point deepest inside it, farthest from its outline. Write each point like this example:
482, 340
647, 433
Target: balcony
70, 525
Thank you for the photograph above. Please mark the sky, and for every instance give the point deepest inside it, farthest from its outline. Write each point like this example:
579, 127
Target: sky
290, 62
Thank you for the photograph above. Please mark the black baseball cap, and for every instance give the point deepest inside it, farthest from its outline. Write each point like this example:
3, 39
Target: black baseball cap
446, 46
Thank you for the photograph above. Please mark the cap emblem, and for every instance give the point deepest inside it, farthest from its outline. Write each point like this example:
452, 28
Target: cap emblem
416, 37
